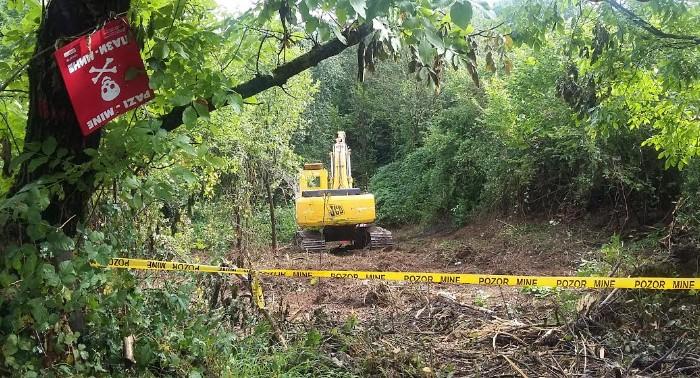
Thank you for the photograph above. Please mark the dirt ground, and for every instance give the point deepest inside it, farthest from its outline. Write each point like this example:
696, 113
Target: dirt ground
408, 329
490, 247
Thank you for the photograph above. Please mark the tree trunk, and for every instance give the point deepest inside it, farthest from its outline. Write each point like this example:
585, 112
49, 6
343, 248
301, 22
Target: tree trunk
216, 290
271, 202
6, 156
239, 230
174, 220
51, 113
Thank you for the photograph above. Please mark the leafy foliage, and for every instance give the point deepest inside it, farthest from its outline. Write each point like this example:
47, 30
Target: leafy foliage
564, 133
438, 178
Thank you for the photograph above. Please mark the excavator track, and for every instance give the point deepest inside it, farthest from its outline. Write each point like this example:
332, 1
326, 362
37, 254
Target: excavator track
310, 241
379, 237
374, 237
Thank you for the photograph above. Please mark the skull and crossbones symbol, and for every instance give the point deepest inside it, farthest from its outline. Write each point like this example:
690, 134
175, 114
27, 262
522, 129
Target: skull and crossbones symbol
109, 89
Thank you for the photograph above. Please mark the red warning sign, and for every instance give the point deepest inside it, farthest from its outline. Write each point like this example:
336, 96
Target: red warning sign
104, 75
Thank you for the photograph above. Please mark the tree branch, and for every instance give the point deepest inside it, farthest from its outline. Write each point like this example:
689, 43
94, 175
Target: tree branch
280, 74
481, 32
644, 24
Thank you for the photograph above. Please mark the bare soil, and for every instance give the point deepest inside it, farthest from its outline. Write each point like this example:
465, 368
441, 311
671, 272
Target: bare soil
408, 329
488, 247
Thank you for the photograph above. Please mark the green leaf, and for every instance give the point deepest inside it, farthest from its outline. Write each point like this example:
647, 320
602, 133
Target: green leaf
426, 12
377, 8
16, 162
36, 231
426, 52
339, 35
49, 145
181, 98
410, 23
137, 201
433, 37
189, 116
156, 80
311, 25
324, 31
305, 14
236, 102
36, 163
67, 272
183, 142
184, 174
30, 264
202, 109
38, 308
180, 50
32, 146
161, 50
131, 182
10, 346
359, 6
6, 278
60, 241
341, 13
461, 13
49, 274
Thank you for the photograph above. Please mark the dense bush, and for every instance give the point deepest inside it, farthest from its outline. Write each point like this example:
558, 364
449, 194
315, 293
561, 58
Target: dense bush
518, 148
440, 178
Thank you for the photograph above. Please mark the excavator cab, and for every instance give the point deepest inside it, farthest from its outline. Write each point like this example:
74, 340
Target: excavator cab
329, 209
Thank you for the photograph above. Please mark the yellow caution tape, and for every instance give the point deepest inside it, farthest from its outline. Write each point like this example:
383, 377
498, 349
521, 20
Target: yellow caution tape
660, 283
257, 290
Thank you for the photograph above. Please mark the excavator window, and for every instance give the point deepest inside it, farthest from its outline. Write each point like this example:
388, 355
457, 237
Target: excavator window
313, 181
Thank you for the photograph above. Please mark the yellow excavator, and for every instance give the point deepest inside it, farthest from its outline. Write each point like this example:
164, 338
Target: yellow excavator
329, 209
